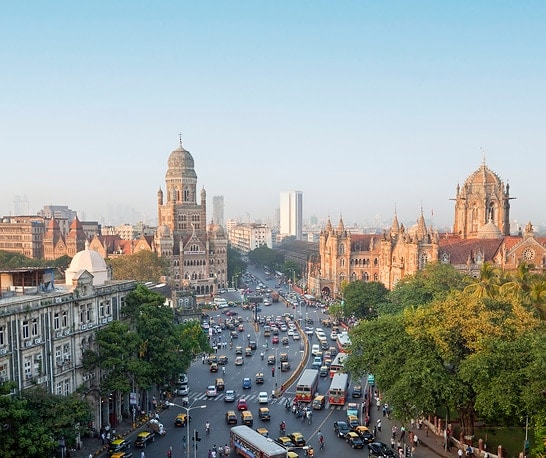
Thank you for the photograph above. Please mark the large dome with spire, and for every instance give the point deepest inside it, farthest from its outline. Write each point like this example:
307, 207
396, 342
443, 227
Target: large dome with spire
180, 164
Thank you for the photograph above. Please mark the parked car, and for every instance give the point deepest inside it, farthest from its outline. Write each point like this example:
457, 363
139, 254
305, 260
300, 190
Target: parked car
380, 449
229, 396
144, 438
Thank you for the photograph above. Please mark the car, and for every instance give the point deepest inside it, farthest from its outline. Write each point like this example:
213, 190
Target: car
242, 404
263, 398
263, 431
341, 428
214, 367
211, 391
296, 336
231, 417
365, 434
122, 455
238, 350
357, 391
285, 366
283, 357
234, 335
247, 383
248, 351
271, 360
119, 445
252, 344
380, 449
263, 414
284, 328
285, 341
259, 378
181, 419
333, 335
286, 442
182, 390
275, 339
222, 360
239, 361
183, 379
354, 440
353, 422
323, 371
297, 439
317, 362
144, 438
241, 328
229, 396
290, 332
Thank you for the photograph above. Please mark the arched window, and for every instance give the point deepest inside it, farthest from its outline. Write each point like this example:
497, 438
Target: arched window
342, 248
186, 195
342, 262
353, 276
365, 276
375, 261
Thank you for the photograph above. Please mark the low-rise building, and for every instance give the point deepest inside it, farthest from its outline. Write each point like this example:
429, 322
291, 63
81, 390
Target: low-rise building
246, 237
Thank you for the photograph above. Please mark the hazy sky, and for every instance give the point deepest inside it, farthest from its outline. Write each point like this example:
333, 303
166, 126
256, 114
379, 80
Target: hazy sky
361, 105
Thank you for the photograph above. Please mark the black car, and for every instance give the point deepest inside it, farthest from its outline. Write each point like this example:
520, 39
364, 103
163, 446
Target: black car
252, 344
380, 449
234, 335
341, 428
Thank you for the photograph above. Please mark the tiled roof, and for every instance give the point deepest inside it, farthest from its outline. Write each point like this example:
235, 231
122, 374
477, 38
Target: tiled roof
460, 250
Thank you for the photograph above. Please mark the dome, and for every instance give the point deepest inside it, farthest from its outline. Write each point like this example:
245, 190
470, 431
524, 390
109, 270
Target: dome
164, 231
91, 261
217, 230
484, 177
489, 231
181, 164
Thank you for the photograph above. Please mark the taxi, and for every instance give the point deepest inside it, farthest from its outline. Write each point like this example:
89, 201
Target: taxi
181, 419
263, 431
271, 360
283, 357
119, 445
144, 438
246, 418
263, 414
214, 367
122, 455
319, 402
365, 434
248, 351
352, 421
259, 378
219, 383
285, 366
238, 350
231, 417
297, 439
285, 442
354, 440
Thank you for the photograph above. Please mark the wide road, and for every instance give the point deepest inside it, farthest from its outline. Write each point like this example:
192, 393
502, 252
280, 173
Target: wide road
200, 377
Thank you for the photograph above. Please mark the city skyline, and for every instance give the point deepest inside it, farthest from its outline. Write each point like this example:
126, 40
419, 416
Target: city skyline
363, 107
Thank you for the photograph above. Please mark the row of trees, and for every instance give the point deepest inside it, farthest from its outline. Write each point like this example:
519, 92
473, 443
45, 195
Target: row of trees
462, 347
275, 261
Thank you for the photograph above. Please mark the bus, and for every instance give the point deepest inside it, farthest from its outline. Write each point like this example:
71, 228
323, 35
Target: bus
249, 443
338, 364
337, 394
343, 342
307, 385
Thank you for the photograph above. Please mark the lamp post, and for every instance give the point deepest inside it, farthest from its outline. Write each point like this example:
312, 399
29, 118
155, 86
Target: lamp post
188, 410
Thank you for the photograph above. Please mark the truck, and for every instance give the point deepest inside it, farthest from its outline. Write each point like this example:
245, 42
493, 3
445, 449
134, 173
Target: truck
275, 296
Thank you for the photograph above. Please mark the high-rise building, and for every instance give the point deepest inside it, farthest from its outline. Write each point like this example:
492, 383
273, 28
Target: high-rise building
291, 214
218, 210
197, 252
246, 237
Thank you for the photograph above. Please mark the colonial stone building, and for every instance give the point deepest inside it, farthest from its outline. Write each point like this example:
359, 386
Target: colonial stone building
197, 251
481, 233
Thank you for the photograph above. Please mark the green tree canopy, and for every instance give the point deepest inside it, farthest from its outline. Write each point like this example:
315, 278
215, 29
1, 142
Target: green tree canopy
264, 256
362, 299
142, 266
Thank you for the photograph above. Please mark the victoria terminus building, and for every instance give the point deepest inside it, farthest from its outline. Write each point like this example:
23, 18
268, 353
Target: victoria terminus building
481, 233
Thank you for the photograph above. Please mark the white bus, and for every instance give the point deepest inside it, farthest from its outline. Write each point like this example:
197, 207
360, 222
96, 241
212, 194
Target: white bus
337, 394
249, 443
307, 385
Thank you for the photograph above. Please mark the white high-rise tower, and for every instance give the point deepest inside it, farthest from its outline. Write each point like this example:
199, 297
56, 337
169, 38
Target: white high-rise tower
291, 214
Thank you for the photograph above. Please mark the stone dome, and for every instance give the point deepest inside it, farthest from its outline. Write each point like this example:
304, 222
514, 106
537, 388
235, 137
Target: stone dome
216, 230
181, 164
91, 261
489, 231
484, 177
163, 231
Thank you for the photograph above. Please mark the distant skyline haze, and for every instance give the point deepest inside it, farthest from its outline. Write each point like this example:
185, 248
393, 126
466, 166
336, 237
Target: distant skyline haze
363, 106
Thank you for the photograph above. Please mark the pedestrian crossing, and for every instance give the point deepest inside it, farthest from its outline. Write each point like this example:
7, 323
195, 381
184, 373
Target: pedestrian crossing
252, 397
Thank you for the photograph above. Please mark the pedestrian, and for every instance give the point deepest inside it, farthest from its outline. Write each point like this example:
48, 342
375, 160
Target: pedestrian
379, 424
102, 437
411, 433
412, 423
142, 454
203, 359
415, 440
272, 372
378, 404
393, 431
460, 452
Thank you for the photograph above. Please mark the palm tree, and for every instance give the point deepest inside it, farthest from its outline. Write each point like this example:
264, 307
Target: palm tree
537, 296
487, 284
519, 283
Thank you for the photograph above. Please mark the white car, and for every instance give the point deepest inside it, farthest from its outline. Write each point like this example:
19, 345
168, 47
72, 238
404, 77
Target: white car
263, 398
183, 390
296, 336
333, 335
290, 332
211, 391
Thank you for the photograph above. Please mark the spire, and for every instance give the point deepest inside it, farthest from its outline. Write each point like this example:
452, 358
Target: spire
329, 225
340, 226
421, 226
395, 226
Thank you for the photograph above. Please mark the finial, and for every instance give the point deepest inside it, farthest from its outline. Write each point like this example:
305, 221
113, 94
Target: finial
483, 155
180, 138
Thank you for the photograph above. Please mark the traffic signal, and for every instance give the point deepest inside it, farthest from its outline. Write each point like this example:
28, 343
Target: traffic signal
197, 438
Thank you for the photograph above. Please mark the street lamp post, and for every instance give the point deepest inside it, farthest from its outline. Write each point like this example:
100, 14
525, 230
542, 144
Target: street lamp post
188, 410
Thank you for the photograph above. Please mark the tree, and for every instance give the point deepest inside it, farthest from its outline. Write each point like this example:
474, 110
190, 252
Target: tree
363, 298
236, 265
488, 283
142, 266
264, 256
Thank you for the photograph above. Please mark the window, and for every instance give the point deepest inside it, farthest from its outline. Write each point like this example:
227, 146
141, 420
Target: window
101, 309
34, 330
65, 320
1, 335
365, 276
27, 365
25, 329
59, 388
58, 352
342, 249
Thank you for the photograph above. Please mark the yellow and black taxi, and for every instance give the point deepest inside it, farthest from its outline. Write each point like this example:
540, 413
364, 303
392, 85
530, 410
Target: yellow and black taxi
238, 350
144, 438
259, 378
319, 402
283, 357
285, 366
181, 419
231, 417
263, 414
214, 367
248, 351
285, 442
219, 383
263, 431
365, 434
354, 440
297, 438
119, 445
246, 418
126, 454
222, 360
212, 358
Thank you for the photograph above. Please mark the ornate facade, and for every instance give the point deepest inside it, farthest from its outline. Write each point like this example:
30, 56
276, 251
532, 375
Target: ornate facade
197, 251
481, 233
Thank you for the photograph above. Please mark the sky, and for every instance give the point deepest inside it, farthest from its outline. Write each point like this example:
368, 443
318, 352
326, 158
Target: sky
364, 106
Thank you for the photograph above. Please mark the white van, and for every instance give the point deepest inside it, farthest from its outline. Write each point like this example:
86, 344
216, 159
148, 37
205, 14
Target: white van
220, 302
315, 349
